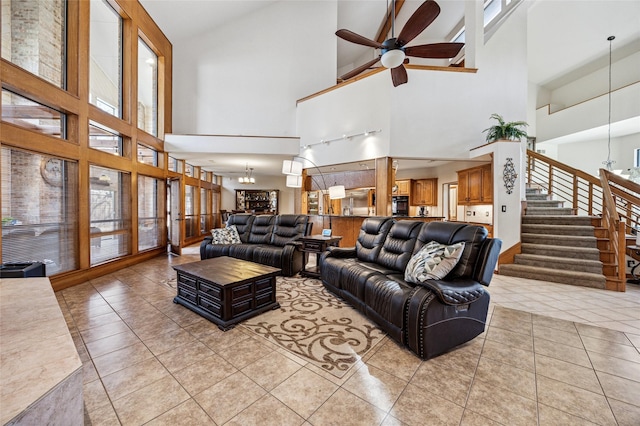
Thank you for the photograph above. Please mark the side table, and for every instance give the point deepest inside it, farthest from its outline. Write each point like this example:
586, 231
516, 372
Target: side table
315, 244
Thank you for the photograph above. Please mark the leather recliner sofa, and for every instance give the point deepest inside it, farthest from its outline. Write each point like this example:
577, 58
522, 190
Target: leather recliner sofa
266, 239
430, 317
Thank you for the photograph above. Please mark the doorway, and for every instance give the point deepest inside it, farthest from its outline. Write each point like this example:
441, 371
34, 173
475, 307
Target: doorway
450, 201
174, 215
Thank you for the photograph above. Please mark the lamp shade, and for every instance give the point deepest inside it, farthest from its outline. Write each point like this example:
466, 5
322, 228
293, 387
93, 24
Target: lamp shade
291, 168
392, 58
294, 181
337, 192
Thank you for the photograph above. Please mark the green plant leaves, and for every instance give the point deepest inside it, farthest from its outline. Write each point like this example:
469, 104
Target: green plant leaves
503, 130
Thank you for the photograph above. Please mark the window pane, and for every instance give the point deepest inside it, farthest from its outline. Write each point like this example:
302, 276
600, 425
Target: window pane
188, 169
39, 210
33, 37
26, 113
190, 211
104, 139
105, 74
147, 155
147, 89
151, 222
175, 165
491, 9
204, 218
110, 214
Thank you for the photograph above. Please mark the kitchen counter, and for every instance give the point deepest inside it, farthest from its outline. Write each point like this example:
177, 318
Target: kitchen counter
41, 374
348, 227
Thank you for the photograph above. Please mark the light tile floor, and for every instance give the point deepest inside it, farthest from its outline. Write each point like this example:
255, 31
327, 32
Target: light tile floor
559, 355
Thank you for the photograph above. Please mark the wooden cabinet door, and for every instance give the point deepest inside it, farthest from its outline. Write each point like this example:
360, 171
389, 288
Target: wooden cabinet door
463, 187
487, 184
416, 193
425, 192
404, 187
430, 192
475, 185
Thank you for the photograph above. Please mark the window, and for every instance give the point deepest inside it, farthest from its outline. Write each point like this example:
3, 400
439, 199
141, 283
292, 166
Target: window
26, 113
147, 155
147, 89
492, 9
39, 210
33, 37
110, 208
175, 165
636, 161
204, 218
150, 212
104, 139
105, 51
188, 169
190, 211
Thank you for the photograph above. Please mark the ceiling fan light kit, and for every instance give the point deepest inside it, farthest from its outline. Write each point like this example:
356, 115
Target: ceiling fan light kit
394, 51
392, 58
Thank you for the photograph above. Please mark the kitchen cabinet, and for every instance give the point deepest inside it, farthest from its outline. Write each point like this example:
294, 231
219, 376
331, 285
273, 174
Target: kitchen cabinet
404, 187
475, 185
424, 192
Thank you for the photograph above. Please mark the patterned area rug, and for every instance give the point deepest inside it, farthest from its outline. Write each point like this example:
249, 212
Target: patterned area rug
317, 326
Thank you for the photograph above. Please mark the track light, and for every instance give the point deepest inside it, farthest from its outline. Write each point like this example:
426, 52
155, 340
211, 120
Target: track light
344, 137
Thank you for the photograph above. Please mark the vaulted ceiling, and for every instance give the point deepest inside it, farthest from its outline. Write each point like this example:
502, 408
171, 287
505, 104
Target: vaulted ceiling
566, 38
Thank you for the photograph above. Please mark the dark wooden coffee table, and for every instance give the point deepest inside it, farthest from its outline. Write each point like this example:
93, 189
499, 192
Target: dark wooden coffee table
226, 290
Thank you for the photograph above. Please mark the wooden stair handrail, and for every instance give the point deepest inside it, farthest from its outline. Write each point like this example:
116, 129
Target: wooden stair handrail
616, 228
570, 170
619, 198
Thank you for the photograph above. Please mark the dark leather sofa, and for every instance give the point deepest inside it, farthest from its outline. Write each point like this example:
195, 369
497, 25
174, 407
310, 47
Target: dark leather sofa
266, 239
429, 318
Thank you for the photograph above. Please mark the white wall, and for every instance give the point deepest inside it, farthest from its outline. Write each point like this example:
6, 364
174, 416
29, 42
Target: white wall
244, 77
623, 72
436, 114
588, 156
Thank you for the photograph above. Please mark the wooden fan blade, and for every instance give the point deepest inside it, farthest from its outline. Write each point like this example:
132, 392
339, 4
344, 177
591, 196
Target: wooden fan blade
357, 39
358, 70
421, 19
435, 50
399, 75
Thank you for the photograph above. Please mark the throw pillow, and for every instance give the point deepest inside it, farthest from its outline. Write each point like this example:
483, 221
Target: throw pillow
433, 262
228, 235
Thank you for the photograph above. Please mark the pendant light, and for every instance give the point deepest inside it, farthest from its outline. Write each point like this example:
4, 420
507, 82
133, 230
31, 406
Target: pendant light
609, 163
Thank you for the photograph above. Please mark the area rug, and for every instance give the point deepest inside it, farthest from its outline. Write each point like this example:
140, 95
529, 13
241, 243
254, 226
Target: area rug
317, 326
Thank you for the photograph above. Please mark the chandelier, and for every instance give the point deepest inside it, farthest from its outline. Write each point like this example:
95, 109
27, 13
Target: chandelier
248, 176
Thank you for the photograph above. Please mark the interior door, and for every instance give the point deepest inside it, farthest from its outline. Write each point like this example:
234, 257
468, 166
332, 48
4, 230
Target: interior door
174, 215
453, 202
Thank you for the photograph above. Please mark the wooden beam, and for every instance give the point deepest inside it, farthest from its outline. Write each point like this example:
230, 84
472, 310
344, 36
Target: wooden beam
386, 22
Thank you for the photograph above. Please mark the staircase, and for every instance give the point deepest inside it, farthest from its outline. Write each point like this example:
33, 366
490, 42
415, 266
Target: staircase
556, 245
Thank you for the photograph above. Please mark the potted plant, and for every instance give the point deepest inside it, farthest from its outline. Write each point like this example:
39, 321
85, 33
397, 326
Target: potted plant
512, 131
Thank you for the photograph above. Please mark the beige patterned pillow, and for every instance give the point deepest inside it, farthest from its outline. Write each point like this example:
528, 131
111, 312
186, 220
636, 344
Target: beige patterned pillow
433, 262
228, 235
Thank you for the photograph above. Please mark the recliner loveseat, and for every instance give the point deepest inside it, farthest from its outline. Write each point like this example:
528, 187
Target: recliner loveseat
429, 317
266, 239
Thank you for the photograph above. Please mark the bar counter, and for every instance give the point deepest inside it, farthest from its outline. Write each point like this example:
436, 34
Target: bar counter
348, 227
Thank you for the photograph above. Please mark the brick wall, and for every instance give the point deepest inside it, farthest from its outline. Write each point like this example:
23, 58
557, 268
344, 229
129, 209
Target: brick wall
32, 36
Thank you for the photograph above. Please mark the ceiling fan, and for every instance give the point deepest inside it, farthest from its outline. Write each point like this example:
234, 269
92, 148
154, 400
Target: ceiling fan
393, 52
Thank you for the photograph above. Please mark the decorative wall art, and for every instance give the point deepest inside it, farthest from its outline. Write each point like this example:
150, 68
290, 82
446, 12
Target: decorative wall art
509, 175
